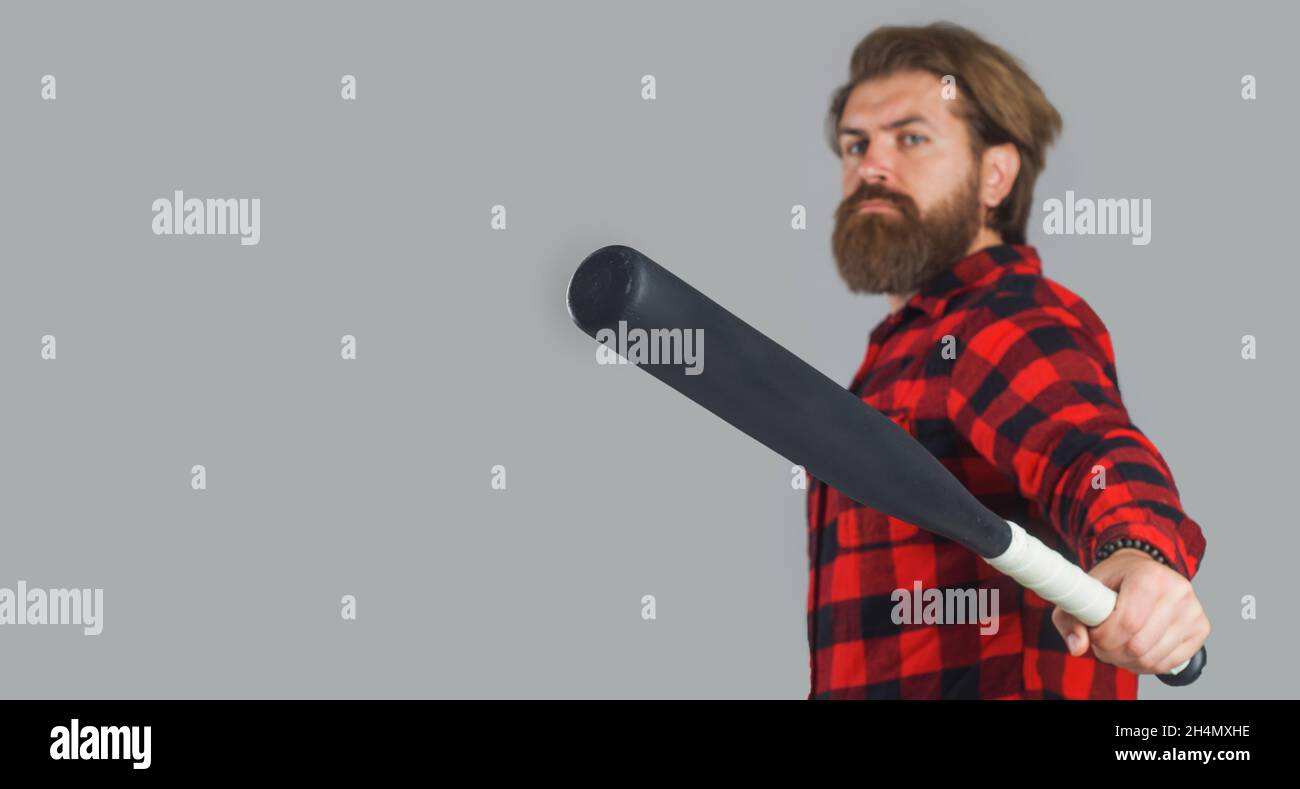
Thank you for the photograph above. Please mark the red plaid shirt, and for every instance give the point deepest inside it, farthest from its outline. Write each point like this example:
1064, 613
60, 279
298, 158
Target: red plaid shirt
1023, 416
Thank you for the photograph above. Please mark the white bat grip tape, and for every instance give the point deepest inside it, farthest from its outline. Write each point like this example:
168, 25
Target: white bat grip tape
1055, 579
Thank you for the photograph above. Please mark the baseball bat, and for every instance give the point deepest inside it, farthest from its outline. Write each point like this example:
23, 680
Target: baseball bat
784, 403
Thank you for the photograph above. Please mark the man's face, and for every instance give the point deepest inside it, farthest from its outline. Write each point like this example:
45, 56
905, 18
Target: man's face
911, 203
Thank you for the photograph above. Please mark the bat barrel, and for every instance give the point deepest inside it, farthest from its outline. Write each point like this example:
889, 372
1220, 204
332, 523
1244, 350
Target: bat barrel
778, 399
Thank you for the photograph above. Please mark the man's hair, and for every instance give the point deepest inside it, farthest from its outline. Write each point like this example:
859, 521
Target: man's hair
995, 98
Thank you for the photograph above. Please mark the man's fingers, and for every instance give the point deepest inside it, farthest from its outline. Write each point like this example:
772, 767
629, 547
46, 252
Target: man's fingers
1158, 637
1158, 656
1131, 605
1195, 630
1072, 631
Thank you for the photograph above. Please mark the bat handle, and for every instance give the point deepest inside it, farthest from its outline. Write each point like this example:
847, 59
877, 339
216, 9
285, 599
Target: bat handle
1057, 580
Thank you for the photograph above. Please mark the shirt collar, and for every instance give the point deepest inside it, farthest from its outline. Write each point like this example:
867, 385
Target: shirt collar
975, 270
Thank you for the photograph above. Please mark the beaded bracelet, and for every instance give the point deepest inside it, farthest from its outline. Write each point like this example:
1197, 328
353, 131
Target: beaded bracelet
1129, 542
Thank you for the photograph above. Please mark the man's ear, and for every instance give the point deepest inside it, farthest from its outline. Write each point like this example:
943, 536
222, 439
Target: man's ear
999, 166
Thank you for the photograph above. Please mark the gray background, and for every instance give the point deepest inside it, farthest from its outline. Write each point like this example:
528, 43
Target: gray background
372, 477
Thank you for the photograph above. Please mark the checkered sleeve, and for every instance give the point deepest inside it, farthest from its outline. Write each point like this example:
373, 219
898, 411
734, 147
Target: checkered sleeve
1034, 390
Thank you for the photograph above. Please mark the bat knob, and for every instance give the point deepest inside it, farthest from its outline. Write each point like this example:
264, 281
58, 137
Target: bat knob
602, 287
1189, 674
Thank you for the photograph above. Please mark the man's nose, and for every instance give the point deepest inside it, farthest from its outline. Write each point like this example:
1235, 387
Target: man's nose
876, 167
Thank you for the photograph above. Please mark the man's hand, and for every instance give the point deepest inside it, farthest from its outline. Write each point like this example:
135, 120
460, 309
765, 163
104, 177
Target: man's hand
1157, 623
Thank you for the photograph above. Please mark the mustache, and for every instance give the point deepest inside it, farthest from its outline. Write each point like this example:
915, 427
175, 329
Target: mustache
873, 192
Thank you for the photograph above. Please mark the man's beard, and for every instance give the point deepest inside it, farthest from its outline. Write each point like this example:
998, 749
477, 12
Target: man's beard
889, 252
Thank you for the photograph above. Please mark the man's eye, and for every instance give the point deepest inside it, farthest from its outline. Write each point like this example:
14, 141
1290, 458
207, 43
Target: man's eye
852, 147
917, 136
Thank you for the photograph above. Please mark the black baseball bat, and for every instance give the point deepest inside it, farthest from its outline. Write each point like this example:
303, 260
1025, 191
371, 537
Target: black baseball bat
785, 404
